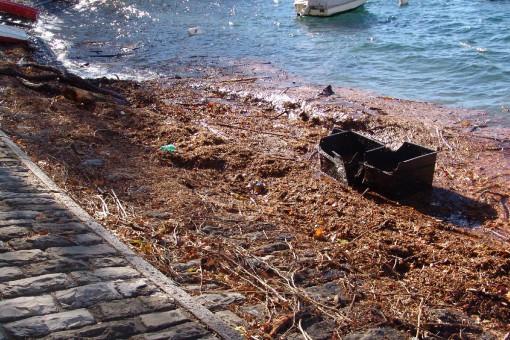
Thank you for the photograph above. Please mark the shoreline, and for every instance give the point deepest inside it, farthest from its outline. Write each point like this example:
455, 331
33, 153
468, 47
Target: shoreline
353, 255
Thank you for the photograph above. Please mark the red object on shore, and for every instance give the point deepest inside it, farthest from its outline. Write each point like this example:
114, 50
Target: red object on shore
19, 9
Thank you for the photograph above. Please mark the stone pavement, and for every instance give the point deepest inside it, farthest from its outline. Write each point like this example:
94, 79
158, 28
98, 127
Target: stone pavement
63, 276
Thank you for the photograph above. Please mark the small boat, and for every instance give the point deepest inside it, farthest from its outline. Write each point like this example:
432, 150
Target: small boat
19, 9
325, 8
11, 34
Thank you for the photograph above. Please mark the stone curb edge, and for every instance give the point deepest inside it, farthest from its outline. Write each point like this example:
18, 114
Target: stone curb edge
153, 274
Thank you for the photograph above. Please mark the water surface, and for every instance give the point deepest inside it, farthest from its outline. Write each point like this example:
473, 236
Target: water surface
449, 52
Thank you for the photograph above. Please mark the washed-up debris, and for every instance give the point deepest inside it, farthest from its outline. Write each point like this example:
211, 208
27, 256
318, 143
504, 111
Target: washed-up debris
195, 31
401, 172
327, 91
169, 147
361, 161
342, 155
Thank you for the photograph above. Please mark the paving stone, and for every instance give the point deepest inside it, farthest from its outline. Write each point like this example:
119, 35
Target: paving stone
83, 251
9, 223
135, 288
33, 200
103, 331
161, 320
87, 239
117, 309
38, 326
10, 232
158, 301
58, 265
40, 242
20, 215
21, 257
25, 189
180, 332
43, 207
69, 227
105, 274
88, 295
215, 302
23, 307
6, 196
108, 261
36, 285
10, 273
3, 247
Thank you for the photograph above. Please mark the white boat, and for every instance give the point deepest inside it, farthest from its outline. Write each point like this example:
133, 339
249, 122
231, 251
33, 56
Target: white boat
325, 8
12, 34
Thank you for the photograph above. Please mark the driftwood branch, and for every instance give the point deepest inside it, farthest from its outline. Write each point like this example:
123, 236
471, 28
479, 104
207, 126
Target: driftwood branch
55, 74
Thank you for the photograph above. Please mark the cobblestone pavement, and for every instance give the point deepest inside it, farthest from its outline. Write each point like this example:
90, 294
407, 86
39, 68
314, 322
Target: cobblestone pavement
63, 276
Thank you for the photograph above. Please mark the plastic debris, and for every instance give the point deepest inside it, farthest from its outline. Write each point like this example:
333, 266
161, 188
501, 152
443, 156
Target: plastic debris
169, 147
195, 31
363, 162
259, 188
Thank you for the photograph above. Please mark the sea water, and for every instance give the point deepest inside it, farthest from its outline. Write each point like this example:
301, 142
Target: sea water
455, 53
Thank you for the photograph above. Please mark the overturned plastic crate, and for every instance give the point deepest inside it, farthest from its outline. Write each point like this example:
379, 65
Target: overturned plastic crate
342, 155
399, 173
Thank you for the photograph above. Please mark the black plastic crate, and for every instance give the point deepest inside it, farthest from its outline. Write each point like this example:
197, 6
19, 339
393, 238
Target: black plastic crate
342, 155
401, 172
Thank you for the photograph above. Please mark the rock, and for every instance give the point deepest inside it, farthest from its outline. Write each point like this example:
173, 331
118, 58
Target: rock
327, 291
92, 163
161, 215
317, 328
449, 321
255, 310
271, 248
216, 302
231, 318
182, 267
376, 333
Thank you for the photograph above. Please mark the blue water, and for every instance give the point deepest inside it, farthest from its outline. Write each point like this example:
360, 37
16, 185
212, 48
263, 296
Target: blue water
454, 52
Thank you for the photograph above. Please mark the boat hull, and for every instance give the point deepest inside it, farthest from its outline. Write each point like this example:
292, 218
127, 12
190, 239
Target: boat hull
12, 35
19, 10
325, 8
